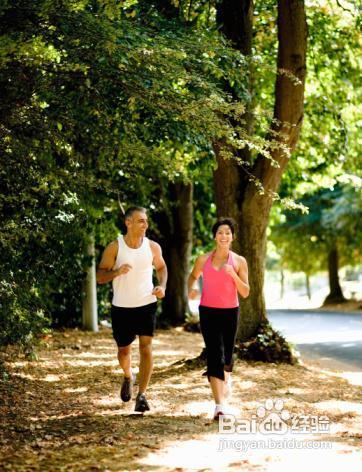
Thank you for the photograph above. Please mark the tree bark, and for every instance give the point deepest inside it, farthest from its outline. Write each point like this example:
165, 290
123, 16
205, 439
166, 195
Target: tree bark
90, 307
307, 286
282, 286
177, 244
176, 224
335, 291
241, 197
235, 20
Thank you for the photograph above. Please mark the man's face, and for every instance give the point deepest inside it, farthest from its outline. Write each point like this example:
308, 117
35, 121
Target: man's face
137, 224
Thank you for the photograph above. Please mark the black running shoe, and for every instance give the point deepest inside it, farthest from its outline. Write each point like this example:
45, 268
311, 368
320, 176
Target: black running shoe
126, 389
141, 403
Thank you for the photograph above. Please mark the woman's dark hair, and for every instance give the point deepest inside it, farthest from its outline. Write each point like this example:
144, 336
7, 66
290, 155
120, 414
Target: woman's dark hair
224, 221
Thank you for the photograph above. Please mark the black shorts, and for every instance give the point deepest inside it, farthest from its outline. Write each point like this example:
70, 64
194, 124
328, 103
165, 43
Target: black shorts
127, 323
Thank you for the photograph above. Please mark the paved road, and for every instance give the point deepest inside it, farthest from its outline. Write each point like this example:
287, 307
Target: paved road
334, 339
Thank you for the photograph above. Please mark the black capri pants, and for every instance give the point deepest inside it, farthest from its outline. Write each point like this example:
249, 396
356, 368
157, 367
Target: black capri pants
218, 328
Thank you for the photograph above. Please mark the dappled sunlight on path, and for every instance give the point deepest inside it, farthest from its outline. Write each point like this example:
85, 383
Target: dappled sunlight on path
63, 412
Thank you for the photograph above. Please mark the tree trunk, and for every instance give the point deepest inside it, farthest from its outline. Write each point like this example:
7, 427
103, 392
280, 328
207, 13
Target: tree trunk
307, 286
90, 308
177, 245
235, 194
235, 20
335, 291
282, 284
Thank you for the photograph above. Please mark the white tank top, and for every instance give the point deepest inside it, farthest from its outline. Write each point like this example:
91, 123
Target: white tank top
134, 288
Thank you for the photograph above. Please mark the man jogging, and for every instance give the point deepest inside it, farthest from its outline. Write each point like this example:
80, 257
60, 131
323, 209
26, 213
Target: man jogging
128, 262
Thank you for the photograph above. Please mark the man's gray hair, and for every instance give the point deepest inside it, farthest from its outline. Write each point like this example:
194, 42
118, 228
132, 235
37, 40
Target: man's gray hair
131, 210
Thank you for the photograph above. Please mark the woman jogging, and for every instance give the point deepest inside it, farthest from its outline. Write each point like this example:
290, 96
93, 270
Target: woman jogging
225, 274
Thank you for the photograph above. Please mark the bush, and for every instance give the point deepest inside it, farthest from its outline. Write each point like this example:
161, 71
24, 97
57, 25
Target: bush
267, 345
21, 316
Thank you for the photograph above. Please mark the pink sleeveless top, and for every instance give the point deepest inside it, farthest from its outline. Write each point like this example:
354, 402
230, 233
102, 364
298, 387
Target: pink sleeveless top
219, 289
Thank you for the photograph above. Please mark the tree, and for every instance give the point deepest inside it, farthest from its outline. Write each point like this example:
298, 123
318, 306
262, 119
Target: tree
239, 196
327, 234
97, 108
175, 220
327, 154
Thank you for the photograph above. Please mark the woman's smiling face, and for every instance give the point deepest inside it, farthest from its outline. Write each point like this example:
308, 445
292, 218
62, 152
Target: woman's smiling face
224, 236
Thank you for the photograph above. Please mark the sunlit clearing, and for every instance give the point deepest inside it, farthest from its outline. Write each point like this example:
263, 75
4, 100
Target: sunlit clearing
107, 401
76, 390
115, 412
198, 408
25, 376
52, 378
336, 406
196, 389
82, 363
47, 378
354, 378
296, 390
245, 385
95, 355
171, 353
19, 364
217, 451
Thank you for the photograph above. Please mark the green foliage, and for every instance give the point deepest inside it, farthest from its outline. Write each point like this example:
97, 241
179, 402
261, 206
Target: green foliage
98, 108
103, 103
329, 145
323, 174
304, 240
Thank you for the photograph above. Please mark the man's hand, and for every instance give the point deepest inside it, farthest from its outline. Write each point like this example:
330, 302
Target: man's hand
194, 294
158, 291
124, 269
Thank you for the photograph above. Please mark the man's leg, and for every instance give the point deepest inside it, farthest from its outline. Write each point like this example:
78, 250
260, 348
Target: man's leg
124, 359
146, 362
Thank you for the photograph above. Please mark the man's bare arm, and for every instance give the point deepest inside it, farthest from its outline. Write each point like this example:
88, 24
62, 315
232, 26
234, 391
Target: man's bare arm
161, 270
105, 272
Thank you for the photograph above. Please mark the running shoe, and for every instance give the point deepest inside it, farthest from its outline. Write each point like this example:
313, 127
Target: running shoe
141, 403
126, 389
222, 410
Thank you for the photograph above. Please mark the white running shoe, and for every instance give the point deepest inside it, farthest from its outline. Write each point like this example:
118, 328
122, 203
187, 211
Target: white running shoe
221, 410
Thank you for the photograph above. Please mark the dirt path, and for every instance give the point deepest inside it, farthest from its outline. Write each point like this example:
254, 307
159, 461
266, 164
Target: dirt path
63, 412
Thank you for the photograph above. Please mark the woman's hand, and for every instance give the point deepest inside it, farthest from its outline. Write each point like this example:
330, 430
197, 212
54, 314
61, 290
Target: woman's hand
229, 269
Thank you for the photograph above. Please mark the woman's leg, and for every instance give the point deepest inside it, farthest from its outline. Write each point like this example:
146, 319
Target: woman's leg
217, 388
229, 330
209, 322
